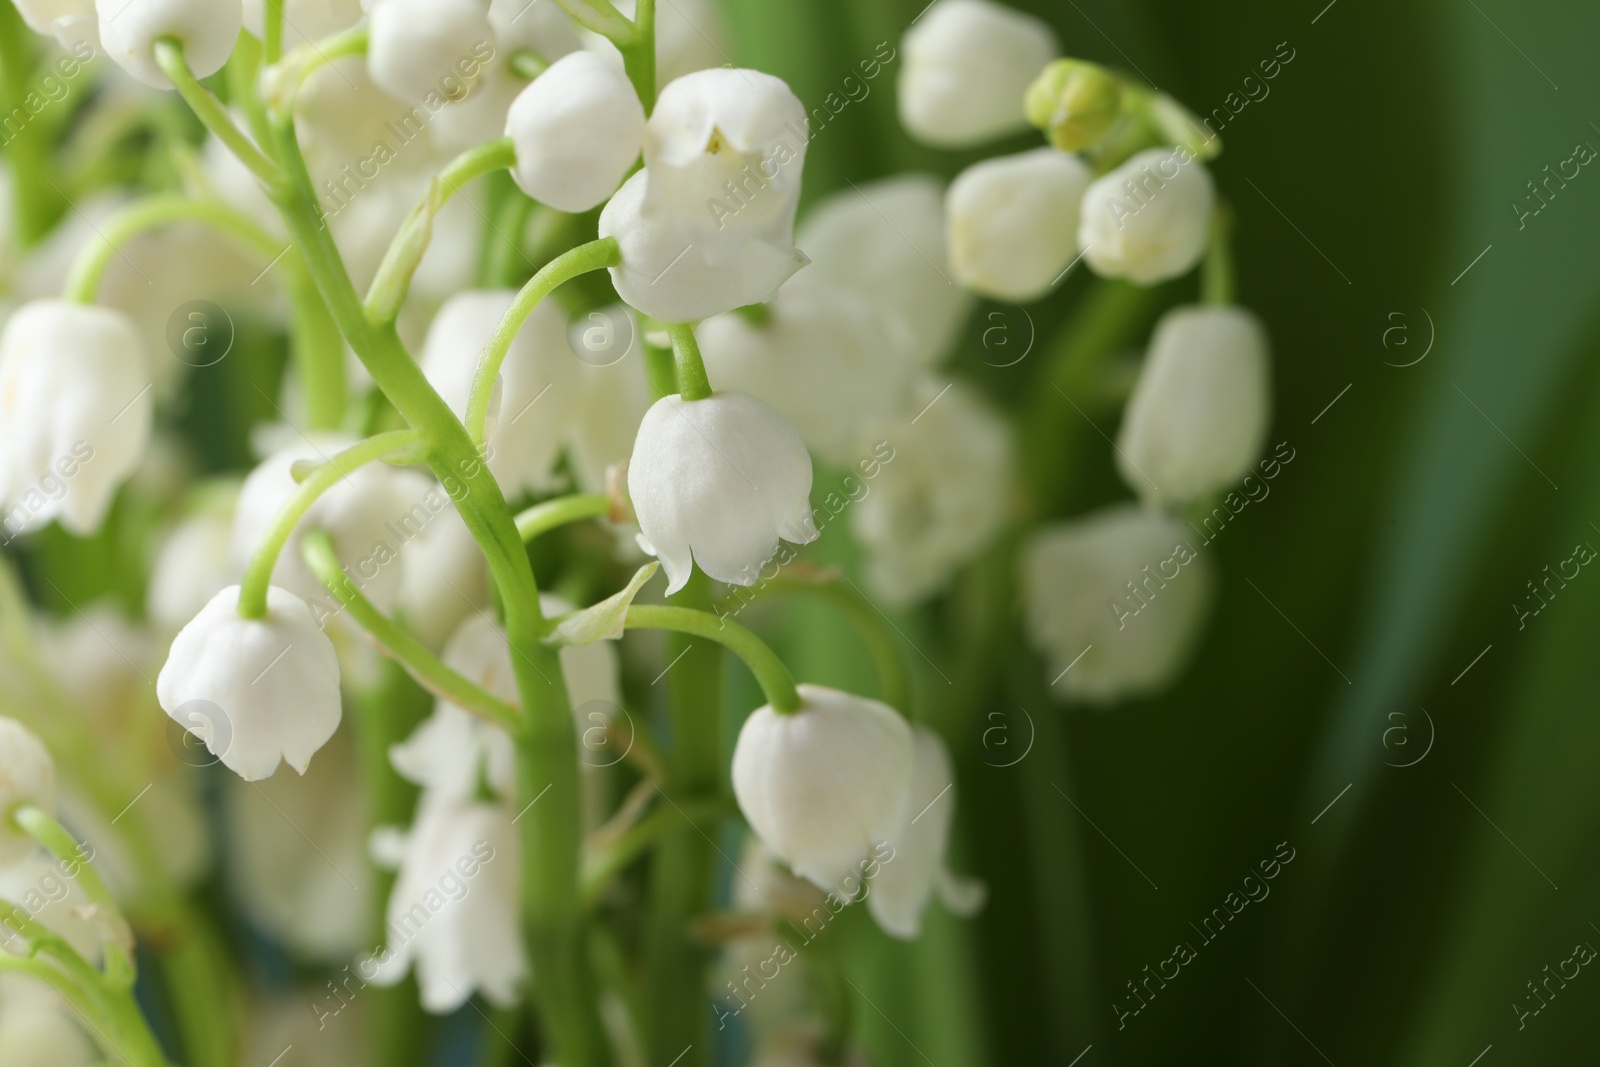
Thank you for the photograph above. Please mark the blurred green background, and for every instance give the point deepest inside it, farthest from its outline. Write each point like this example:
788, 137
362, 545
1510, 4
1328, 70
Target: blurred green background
1389, 554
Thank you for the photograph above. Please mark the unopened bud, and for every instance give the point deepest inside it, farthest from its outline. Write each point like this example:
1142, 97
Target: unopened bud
1075, 103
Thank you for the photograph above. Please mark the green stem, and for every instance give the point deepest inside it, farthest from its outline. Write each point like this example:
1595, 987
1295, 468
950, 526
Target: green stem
1216, 275
393, 280
90, 268
528, 65
658, 364
318, 350
600, 16
595, 255
771, 674
212, 113
553, 514
429, 671
42, 827
605, 864
639, 54
258, 573
290, 76
272, 31
692, 381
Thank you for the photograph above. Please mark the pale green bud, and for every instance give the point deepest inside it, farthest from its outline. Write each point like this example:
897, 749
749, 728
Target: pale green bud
1075, 103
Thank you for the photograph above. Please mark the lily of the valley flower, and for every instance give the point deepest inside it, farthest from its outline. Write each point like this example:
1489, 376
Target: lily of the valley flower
75, 413
1014, 222
1149, 219
194, 564
577, 129
429, 48
1115, 602
968, 65
822, 786
27, 776
903, 887
207, 29
259, 691
717, 482
1199, 414
72, 22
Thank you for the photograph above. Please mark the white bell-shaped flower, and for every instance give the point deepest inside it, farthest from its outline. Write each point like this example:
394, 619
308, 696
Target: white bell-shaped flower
38, 1028
1014, 222
905, 883
941, 491
207, 29
577, 128
304, 21
455, 910
824, 785
967, 68
258, 691
73, 23
193, 564
1199, 413
27, 776
825, 358
538, 382
1149, 219
717, 482
429, 51
885, 240
1115, 602
75, 414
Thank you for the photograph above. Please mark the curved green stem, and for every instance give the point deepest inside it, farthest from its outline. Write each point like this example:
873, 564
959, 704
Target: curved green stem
288, 77
429, 671
894, 681
212, 113
393, 280
258, 574
692, 381
553, 514
90, 268
43, 827
771, 674
595, 255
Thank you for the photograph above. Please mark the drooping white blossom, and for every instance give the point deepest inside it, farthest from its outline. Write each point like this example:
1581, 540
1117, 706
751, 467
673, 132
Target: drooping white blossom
1199, 413
1014, 222
717, 482
577, 128
27, 776
1149, 219
941, 495
825, 784
1115, 602
967, 67
75, 413
422, 49
259, 691
903, 887
207, 29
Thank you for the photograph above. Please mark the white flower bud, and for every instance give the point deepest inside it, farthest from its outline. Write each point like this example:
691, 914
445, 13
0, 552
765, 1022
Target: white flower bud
816, 340
1149, 219
538, 381
207, 29
75, 413
968, 65
717, 482
1124, 590
941, 493
825, 785
577, 129
455, 910
886, 241
258, 691
1014, 222
27, 776
1198, 416
428, 48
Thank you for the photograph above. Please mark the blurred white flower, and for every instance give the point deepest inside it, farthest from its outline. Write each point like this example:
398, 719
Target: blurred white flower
824, 358
1123, 590
534, 26
27, 776
1199, 413
455, 911
905, 884
886, 241
38, 1028
824, 785
259, 691
207, 30
444, 578
1014, 222
304, 21
427, 51
968, 65
577, 128
1149, 219
614, 394
73, 23
194, 563
101, 661
75, 413
942, 497
717, 482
